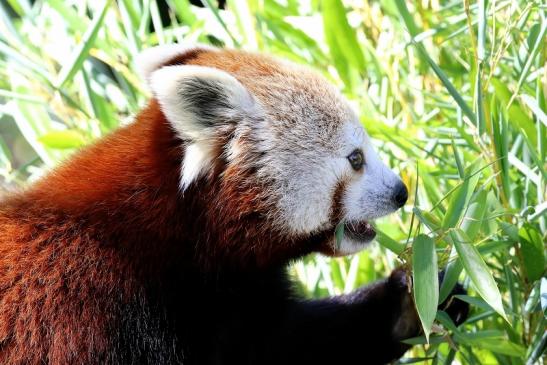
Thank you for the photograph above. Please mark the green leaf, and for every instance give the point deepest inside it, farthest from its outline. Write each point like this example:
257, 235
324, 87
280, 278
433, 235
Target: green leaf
426, 282
33, 120
459, 163
534, 107
82, 51
451, 274
69, 15
63, 139
216, 13
427, 218
245, 21
414, 30
346, 52
474, 301
472, 220
515, 114
389, 243
477, 271
537, 348
532, 250
499, 346
421, 340
459, 200
531, 58
18, 7
447, 84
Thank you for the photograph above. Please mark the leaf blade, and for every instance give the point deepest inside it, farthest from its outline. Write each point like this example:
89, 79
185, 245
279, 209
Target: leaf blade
426, 282
82, 51
478, 271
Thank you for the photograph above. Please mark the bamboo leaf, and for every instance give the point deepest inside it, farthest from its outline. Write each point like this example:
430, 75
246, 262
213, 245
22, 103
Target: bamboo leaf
534, 107
459, 201
477, 271
345, 50
389, 242
63, 139
543, 296
531, 58
458, 160
414, 30
451, 274
447, 84
82, 51
473, 218
426, 283
532, 250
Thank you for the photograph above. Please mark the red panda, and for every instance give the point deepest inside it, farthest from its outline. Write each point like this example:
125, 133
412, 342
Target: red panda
167, 241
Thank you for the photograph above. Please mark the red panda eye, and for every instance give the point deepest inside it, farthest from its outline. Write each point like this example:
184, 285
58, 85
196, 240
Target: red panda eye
356, 159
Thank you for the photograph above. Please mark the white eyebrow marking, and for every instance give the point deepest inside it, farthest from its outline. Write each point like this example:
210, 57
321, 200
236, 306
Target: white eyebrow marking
358, 135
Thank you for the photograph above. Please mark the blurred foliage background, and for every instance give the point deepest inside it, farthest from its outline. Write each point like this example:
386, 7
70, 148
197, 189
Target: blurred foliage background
453, 93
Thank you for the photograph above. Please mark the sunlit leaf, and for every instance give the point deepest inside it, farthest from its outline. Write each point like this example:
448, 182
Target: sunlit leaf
459, 200
426, 283
62, 139
477, 271
82, 51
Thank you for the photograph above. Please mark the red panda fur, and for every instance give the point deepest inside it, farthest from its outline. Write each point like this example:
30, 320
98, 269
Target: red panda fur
108, 219
106, 260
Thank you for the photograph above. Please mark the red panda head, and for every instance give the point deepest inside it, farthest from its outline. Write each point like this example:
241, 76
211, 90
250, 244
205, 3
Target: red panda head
287, 154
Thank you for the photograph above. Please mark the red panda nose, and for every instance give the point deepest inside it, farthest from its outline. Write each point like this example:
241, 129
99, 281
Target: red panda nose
400, 194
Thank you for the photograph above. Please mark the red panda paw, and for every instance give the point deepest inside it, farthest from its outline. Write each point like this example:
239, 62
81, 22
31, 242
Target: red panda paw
406, 322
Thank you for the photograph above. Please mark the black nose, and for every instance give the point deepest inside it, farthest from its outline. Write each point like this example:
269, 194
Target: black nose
400, 194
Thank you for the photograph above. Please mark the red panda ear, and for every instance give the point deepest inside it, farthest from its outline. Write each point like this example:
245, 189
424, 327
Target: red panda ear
202, 104
197, 100
154, 58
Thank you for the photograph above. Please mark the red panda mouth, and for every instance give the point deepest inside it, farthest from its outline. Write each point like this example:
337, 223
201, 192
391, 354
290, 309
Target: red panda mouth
359, 231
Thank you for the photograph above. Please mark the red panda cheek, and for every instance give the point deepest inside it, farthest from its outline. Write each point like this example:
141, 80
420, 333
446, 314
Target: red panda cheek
337, 209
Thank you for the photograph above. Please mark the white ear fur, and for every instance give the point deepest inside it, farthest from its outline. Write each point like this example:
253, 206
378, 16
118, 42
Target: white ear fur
153, 58
195, 99
197, 160
199, 103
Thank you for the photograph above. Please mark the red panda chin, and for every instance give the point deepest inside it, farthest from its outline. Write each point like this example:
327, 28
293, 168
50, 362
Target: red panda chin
361, 231
357, 234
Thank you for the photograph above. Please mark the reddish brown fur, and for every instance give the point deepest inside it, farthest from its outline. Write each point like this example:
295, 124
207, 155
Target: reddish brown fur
90, 234
65, 242
96, 259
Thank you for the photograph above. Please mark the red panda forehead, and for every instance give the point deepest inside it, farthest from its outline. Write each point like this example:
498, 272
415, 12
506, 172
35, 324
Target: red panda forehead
293, 96
295, 99
303, 101
266, 77
240, 64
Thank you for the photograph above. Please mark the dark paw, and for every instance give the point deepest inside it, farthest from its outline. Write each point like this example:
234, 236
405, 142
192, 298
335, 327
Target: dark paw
407, 324
399, 280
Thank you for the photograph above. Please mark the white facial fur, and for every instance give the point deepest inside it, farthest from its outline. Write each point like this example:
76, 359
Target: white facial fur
311, 130
371, 196
368, 196
308, 179
302, 129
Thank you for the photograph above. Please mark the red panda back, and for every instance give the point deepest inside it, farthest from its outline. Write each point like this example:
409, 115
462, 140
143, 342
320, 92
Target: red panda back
60, 264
